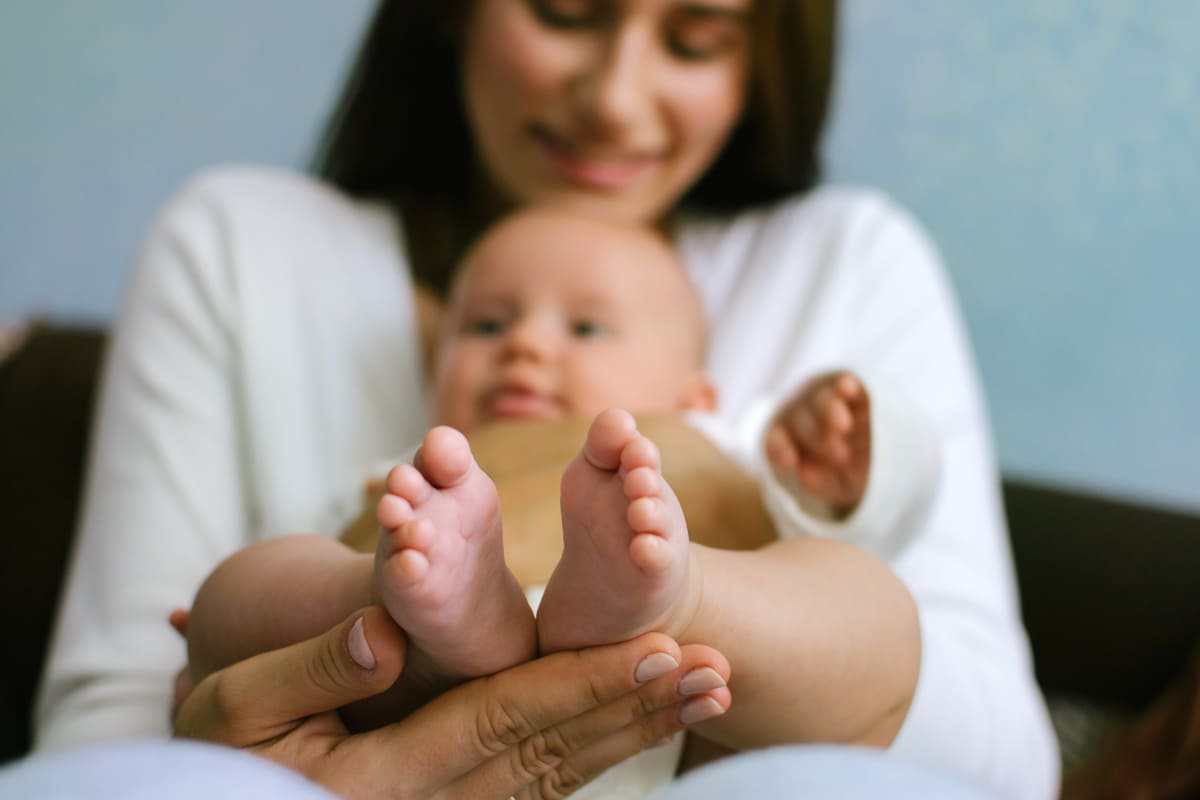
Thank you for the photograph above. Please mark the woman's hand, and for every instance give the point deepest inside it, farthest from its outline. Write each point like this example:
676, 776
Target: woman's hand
183, 679
538, 730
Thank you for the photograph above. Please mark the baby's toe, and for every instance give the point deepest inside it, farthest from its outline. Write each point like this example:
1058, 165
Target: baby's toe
650, 553
648, 515
639, 452
608, 435
445, 457
392, 511
416, 534
643, 482
406, 482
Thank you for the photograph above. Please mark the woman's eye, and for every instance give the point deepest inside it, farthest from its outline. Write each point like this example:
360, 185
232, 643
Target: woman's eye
485, 326
567, 13
707, 36
585, 329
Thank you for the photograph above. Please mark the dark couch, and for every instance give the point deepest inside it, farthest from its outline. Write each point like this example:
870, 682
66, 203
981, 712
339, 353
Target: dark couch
1110, 590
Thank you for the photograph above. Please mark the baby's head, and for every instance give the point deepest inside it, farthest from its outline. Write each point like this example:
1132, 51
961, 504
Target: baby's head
554, 316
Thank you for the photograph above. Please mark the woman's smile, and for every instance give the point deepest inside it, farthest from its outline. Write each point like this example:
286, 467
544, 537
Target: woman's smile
608, 113
605, 168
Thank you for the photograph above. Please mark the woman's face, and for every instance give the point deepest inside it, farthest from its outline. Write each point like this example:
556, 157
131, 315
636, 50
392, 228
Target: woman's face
611, 108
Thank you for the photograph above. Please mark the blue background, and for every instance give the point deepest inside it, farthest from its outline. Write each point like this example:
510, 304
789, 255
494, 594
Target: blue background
1050, 147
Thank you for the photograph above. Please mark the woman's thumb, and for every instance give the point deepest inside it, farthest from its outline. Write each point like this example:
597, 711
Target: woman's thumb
265, 696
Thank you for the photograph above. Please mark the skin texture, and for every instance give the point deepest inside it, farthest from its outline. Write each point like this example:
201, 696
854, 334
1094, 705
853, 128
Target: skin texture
524, 338
607, 117
821, 440
541, 729
753, 588
526, 461
541, 327
626, 554
439, 564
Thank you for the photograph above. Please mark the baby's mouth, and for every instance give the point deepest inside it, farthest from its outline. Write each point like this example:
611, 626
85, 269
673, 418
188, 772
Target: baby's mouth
516, 403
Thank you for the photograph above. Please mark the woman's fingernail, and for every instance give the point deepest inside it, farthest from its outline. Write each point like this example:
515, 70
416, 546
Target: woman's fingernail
360, 651
700, 680
700, 709
654, 666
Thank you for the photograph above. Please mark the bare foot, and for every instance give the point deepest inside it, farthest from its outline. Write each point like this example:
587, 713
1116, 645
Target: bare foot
439, 565
626, 563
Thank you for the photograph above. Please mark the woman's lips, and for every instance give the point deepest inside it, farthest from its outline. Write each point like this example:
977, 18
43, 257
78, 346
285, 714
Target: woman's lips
516, 404
605, 171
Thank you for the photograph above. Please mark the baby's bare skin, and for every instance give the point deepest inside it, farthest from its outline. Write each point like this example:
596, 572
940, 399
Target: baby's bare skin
626, 562
822, 435
439, 565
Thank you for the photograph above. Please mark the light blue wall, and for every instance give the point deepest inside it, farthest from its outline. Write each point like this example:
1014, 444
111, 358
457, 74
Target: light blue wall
105, 107
1050, 146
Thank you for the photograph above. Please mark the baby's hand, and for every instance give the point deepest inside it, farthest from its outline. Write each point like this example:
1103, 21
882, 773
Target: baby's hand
823, 436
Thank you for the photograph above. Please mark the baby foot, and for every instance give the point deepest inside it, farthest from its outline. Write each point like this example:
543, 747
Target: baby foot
439, 565
625, 566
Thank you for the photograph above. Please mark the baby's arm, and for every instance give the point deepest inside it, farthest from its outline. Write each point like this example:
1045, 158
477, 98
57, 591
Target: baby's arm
822, 436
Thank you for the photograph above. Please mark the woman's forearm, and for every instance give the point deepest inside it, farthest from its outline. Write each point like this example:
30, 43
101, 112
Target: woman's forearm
823, 639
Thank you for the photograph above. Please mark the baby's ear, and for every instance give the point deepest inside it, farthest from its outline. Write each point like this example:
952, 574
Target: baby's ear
699, 394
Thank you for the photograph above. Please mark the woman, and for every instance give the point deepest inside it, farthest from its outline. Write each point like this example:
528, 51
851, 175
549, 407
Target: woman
270, 348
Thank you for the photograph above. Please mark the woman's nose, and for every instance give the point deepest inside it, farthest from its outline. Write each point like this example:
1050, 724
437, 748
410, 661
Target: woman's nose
615, 84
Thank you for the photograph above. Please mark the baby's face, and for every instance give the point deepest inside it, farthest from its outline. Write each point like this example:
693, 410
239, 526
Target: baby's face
556, 317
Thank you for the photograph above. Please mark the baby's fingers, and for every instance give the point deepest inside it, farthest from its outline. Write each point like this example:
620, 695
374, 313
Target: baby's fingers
850, 388
781, 449
832, 410
812, 433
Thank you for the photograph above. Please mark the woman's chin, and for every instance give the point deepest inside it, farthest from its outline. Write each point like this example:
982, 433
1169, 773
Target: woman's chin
622, 207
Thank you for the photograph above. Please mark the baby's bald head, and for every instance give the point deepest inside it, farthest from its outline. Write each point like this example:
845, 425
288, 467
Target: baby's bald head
581, 313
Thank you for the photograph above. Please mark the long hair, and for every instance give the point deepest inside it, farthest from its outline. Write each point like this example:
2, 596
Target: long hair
400, 131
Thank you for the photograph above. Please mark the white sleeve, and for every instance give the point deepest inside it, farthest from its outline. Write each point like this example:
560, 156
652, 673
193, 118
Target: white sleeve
266, 352
900, 482
164, 493
842, 279
977, 709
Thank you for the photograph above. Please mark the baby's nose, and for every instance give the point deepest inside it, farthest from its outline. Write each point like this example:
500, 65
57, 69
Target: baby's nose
531, 337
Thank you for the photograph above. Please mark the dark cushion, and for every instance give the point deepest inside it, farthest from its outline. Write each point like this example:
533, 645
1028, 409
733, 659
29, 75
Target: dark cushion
46, 394
1110, 591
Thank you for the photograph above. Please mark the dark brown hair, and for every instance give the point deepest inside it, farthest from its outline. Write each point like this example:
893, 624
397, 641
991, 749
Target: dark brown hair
400, 131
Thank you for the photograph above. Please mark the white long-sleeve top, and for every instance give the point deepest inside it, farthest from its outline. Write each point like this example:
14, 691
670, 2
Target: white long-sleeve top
268, 350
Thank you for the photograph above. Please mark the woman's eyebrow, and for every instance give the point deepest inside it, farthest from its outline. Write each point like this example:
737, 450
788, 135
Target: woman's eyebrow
710, 10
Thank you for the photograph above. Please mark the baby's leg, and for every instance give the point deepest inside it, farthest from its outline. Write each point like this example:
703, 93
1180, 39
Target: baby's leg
626, 565
273, 593
439, 566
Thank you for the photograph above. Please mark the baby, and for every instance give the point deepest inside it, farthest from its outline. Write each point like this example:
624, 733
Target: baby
551, 316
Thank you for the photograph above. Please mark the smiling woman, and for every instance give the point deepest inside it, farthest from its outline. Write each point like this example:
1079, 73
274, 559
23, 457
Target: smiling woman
609, 108
270, 354
613, 105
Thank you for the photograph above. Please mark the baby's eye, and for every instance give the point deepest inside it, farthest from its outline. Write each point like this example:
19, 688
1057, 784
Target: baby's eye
585, 329
485, 326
